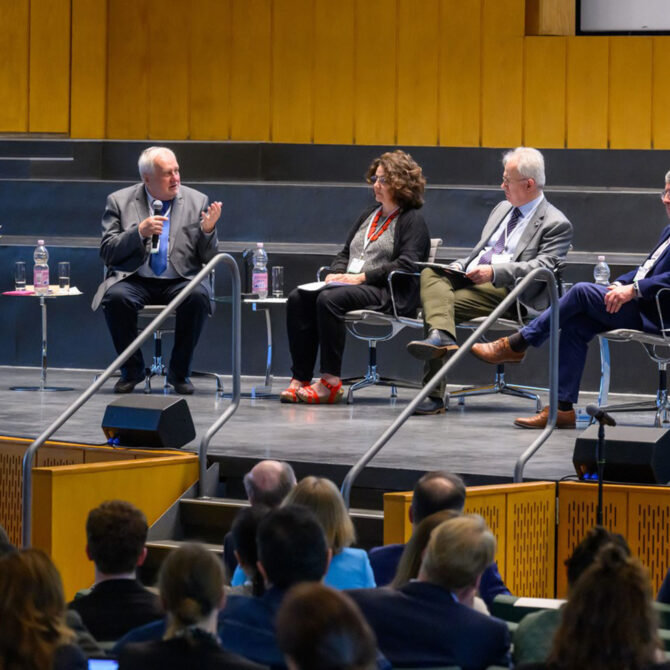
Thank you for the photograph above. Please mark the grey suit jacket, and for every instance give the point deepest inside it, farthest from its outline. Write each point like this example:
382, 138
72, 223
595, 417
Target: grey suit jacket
544, 243
124, 251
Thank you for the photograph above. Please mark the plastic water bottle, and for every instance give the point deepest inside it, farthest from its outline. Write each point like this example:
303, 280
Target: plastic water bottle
259, 274
41, 270
601, 272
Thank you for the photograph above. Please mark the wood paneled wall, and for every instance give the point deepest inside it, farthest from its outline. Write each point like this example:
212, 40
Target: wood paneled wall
434, 72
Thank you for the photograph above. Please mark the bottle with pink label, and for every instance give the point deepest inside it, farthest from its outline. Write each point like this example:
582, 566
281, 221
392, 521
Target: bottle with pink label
259, 274
41, 271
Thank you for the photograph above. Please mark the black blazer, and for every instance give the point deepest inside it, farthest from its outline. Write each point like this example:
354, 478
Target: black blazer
411, 242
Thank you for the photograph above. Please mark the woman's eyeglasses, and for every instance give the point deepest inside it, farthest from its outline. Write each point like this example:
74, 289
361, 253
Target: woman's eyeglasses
382, 180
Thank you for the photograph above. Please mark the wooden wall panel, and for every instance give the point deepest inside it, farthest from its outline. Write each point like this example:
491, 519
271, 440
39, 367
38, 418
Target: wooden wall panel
375, 116
630, 93
127, 70
459, 85
209, 104
88, 86
292, 71
502, 72
544, 92
49, 76
660, 94
334, 72
587, 96
250, 70
168, 85
418, 56
14, 49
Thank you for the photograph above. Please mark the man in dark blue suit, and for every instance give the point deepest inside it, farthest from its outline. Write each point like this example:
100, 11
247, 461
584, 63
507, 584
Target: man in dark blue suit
584, 311
434, 492
430, 621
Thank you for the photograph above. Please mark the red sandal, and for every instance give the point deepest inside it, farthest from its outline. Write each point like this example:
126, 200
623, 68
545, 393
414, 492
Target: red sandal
289, 395
308, 395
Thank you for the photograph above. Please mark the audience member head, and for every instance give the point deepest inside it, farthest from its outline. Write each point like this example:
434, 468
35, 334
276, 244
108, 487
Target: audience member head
608, 622
587, 551
324, 499
403, 176
458, 552
291, 547
116, 532
244, 530
191, 587
269, 482
32, 611
6, 547
318, 627
434, 492
412, 555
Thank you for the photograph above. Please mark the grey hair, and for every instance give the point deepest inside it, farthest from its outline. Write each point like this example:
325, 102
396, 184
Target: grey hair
147, 160
530, 164
667, 177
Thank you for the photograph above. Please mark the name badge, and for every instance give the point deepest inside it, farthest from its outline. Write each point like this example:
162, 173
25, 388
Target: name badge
355, 265
501, 258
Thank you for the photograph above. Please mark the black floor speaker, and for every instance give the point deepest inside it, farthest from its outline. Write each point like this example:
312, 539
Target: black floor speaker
149, 421
632, 455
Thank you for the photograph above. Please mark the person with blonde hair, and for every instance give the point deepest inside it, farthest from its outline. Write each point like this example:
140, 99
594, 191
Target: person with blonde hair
349, 567
33, 632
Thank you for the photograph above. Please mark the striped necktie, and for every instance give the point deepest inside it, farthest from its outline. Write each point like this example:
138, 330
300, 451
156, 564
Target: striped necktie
499, 246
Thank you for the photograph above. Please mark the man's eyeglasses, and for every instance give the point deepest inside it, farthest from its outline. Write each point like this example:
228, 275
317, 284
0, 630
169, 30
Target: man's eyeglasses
507, 181
382, 180
665, 194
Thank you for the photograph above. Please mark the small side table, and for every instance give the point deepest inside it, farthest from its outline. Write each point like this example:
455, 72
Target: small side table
54, 292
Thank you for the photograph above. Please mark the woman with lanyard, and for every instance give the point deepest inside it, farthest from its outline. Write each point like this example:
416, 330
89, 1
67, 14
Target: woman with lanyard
390, 235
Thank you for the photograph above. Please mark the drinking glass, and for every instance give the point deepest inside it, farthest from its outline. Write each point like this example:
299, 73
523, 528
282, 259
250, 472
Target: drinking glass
64, 277
20, 276
277, 281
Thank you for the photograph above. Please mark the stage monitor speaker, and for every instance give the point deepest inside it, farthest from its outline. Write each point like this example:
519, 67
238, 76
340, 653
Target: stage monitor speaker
632, 455
149, 421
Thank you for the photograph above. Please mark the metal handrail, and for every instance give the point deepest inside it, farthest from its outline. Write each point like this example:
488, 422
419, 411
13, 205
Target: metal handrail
29, 456
538, 273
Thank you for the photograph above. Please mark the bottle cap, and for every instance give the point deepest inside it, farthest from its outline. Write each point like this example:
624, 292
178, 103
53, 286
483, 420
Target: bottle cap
40, 242
601, 259
259, 245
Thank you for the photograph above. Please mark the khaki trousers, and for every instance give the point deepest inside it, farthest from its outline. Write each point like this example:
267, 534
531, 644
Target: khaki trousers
448, 300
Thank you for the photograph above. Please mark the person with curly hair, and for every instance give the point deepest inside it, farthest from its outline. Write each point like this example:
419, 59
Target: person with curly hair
389, 235
33, 632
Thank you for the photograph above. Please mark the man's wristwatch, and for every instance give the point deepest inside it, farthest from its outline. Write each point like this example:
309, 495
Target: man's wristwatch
636, 288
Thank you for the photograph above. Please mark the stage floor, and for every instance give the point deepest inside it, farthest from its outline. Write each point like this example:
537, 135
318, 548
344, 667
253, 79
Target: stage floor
478, 439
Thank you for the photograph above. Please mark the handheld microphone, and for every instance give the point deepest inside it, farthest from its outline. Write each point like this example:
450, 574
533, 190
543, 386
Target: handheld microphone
600, 415
155, 239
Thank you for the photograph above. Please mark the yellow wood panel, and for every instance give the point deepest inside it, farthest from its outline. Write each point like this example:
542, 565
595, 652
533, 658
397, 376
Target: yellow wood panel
587, 93
14, 49
459, 85
492, 507
62, 498
89, 68
128, 69
397, 526
250, 70
550, 17
375, 115
630, 92
168, 30
544, 92
49, 92
292, 71
210, 70
334, 72
660, 93
502, 72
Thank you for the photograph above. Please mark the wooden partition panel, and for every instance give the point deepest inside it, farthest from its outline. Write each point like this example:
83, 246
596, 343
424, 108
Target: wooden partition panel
14, 56
660, 94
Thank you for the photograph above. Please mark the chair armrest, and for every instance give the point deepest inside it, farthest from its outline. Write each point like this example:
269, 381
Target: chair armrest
320, 271
662, 319
389, 279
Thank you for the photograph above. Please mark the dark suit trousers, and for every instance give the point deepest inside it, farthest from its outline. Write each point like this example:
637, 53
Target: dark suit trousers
582, 315
314, 319
124, 299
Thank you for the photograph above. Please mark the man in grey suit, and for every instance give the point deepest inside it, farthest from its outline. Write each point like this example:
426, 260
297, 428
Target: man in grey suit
141, 271
522, 233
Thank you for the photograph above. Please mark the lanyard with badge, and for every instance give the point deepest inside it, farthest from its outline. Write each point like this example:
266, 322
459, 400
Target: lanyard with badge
373, 233
504, 256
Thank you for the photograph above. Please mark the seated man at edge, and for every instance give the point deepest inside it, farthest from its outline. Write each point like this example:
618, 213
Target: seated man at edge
522, 233
434, 492
138, 273
584, 311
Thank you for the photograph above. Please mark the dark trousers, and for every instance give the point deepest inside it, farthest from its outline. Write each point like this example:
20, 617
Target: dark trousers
314, 320
582, 315
123, 301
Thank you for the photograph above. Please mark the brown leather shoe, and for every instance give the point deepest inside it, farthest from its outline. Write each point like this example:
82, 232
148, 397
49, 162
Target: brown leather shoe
564, 419
497, 352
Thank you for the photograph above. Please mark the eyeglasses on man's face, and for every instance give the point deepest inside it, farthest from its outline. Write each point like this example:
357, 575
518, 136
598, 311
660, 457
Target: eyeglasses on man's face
665, 194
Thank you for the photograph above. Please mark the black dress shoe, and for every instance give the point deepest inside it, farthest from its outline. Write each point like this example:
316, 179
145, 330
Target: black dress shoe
182, 386
430, 406
438, 344
127, 385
